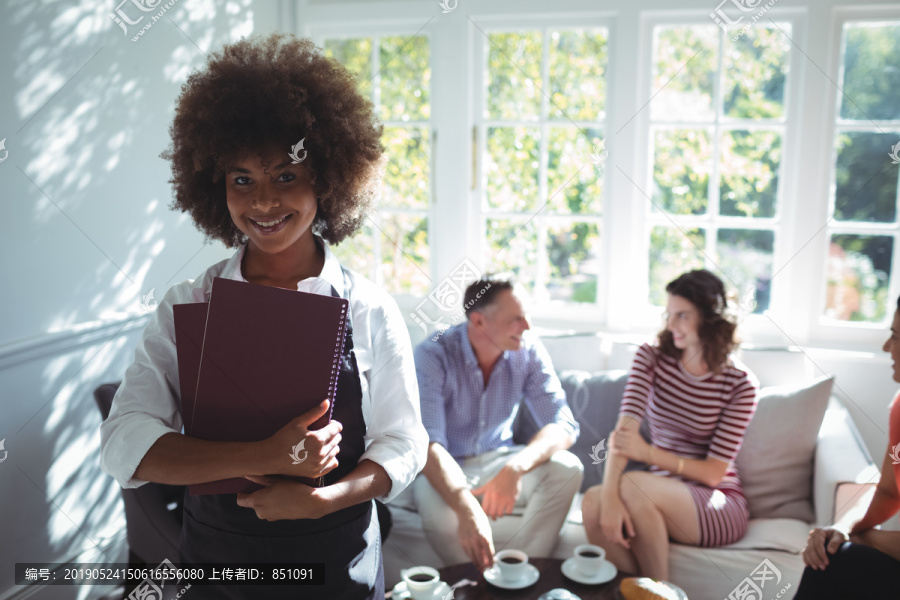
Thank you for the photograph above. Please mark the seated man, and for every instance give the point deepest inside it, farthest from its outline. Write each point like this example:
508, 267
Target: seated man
473, 380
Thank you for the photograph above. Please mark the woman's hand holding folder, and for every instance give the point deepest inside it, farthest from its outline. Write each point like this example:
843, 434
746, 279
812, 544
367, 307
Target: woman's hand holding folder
297, 451
312, 454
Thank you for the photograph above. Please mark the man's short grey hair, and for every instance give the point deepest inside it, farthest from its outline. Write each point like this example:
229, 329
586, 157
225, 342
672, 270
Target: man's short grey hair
482, 293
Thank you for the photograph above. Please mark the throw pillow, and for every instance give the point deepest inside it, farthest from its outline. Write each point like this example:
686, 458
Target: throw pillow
775, 462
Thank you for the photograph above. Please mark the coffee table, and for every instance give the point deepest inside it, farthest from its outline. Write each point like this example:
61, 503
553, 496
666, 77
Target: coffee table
551, 578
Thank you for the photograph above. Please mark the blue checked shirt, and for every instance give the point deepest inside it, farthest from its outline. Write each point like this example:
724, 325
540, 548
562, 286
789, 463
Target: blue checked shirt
467, 418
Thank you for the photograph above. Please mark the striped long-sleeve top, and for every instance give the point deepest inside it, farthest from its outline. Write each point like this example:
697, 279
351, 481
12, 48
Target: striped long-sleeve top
692, 416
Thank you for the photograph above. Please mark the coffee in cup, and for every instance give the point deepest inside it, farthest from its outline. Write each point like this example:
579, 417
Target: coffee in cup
589, 559
512, 564
421, 582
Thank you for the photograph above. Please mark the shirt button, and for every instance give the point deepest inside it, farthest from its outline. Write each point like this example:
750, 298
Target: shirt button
482, 423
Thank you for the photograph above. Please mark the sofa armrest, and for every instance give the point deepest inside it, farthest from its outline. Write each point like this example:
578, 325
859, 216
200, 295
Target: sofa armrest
843, 469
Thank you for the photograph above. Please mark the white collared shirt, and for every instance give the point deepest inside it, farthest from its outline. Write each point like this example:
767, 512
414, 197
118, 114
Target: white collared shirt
146, 406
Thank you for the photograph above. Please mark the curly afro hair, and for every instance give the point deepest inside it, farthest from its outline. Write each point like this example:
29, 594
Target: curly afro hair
717, 332
277, 89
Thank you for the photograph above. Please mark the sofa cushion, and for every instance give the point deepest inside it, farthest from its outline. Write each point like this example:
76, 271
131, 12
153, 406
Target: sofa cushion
775, 462
594, 400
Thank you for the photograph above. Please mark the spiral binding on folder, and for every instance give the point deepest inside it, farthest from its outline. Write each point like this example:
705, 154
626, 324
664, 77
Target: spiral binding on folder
336, 360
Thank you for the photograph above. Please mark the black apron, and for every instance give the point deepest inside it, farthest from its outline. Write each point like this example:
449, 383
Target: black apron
348, 541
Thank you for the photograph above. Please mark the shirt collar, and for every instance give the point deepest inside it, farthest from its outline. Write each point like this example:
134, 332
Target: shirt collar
331, 276
468, 352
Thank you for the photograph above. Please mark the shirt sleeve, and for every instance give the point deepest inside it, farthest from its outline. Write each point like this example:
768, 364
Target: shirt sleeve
431, 375
544, 394
395, 437
146, 405
640, 383
735, 418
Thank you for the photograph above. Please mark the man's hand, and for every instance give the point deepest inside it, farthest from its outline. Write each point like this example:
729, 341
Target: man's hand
628, 442
283, 499
318, 455
500, 492
822, 542
475, 536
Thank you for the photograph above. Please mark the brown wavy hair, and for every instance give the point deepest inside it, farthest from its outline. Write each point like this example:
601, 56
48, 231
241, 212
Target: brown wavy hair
716, 331
278, 89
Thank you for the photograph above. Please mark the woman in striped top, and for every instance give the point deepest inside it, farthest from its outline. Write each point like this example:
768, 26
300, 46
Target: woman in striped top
698, 402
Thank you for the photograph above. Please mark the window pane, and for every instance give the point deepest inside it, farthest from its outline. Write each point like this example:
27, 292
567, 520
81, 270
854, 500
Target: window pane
574, 253
573, 181
358, 252
404, 253
745, 257
405, 78
514, 75
356, 55
512, 168
578, 74
858, 273
684, 71
871, 71
681, 170
512, 247
748, 173
671, 254
865, 179
406, 171
755, 68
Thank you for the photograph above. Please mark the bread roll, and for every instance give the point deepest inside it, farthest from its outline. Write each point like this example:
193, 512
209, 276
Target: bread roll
644, 588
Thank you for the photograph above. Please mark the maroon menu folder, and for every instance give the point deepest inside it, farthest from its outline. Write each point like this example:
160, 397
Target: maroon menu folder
252, 359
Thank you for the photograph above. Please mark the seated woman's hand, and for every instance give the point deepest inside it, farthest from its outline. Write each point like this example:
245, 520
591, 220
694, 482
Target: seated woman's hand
615, 520
295, 450
822, 542
628, 442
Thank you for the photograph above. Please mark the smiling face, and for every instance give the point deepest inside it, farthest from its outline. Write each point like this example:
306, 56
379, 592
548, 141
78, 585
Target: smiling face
270, 200
503, 322
892, 345
683, 322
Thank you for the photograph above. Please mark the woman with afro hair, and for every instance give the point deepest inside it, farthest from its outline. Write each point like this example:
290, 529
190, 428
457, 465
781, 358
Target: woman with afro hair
698, 401
274, 153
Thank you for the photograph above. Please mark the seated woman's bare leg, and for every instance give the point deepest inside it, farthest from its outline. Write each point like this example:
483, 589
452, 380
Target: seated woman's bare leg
661, 509
590, 511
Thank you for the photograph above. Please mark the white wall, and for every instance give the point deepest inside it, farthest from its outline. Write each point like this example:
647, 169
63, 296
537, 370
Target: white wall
85, 113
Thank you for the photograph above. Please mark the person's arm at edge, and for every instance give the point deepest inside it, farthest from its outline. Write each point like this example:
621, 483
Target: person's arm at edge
886, 501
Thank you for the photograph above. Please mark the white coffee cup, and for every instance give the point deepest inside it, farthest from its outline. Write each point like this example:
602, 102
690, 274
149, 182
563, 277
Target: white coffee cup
513, 564
589, 559
421, 582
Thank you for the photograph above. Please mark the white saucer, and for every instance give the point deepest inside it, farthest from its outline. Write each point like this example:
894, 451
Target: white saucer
606, 573
492, 576
402, 593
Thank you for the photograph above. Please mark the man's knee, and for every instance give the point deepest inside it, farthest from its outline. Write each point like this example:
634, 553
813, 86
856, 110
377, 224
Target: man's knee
566, 467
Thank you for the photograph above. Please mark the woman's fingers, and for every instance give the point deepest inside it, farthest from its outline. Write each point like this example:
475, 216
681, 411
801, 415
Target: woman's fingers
629, 526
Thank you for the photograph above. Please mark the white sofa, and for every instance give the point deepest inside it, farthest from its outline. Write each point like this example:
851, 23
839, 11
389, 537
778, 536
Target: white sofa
828, 463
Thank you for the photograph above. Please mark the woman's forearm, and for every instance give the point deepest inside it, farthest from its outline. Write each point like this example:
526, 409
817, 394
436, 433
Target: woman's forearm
612, 472
882, 508
709, 471
178, 459
368, 480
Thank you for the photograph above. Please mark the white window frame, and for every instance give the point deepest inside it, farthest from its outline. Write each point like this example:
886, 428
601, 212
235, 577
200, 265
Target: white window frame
319, 33
831, 329
547, 313
635, 313
798, 291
